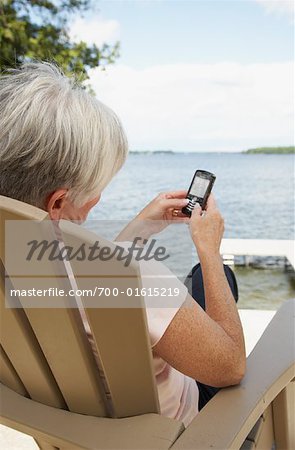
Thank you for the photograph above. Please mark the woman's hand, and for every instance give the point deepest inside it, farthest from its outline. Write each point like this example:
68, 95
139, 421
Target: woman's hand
157, 215
167, 207
207, 228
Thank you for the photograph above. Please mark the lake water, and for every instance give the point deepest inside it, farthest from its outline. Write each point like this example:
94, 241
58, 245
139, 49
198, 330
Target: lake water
255, 194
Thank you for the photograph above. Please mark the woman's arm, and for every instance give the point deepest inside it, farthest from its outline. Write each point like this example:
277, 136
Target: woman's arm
207, 346
155, 216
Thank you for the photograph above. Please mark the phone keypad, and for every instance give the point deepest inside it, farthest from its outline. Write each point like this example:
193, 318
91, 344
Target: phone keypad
191, 205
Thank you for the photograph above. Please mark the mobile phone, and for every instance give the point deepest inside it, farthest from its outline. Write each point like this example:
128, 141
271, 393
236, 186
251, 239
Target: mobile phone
199, 190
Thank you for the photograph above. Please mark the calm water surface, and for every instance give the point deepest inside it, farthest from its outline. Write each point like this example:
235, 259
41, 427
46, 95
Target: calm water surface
254, 192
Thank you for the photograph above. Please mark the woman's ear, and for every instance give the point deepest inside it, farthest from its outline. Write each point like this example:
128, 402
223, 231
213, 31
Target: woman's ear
56, 203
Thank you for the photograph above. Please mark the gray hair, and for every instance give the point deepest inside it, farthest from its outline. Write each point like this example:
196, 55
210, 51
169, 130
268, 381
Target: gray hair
54, 134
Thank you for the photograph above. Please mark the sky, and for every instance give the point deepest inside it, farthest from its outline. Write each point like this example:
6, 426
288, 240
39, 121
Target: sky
197, 75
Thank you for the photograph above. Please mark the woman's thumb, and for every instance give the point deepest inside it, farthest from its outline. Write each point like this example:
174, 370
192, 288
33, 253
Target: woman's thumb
197, 210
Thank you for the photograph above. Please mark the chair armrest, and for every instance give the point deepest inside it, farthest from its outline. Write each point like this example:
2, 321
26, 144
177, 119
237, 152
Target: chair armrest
76, 431
228, 418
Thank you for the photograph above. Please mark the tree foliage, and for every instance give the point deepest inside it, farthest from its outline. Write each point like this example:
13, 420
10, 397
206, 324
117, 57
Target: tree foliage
39, 29
271, 150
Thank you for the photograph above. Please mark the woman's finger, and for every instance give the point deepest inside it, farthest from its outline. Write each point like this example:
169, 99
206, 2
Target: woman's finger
211, 203
175, 203
180, 219
197, 211
176, 194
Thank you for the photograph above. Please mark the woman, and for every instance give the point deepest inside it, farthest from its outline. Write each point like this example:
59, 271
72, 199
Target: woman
59, 148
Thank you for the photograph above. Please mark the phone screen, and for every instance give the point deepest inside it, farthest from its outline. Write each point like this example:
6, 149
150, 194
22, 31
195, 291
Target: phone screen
199, 187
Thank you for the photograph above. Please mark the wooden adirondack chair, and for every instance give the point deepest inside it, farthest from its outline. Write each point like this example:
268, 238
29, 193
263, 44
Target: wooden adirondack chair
53, 389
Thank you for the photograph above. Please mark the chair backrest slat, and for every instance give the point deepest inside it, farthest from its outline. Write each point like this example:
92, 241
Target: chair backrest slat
125, 357
9, 377
120, 333
56, 331
24, 352
68, 353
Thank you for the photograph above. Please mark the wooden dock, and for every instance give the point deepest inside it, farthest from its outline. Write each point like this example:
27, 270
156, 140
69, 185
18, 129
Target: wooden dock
260, 247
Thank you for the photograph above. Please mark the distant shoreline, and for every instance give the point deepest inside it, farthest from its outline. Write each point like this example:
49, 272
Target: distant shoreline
174, 152
252, 151
271, 150
143, 152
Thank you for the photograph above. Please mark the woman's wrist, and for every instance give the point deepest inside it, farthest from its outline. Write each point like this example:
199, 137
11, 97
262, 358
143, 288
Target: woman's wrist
208, 254
137, 228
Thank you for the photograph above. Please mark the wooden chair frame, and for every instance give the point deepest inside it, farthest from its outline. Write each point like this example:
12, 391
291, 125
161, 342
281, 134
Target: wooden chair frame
254, 414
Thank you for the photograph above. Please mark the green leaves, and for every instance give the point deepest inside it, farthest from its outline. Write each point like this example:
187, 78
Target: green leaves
38, 29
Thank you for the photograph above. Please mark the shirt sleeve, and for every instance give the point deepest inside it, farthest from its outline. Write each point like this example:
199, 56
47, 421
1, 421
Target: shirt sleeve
160, 309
